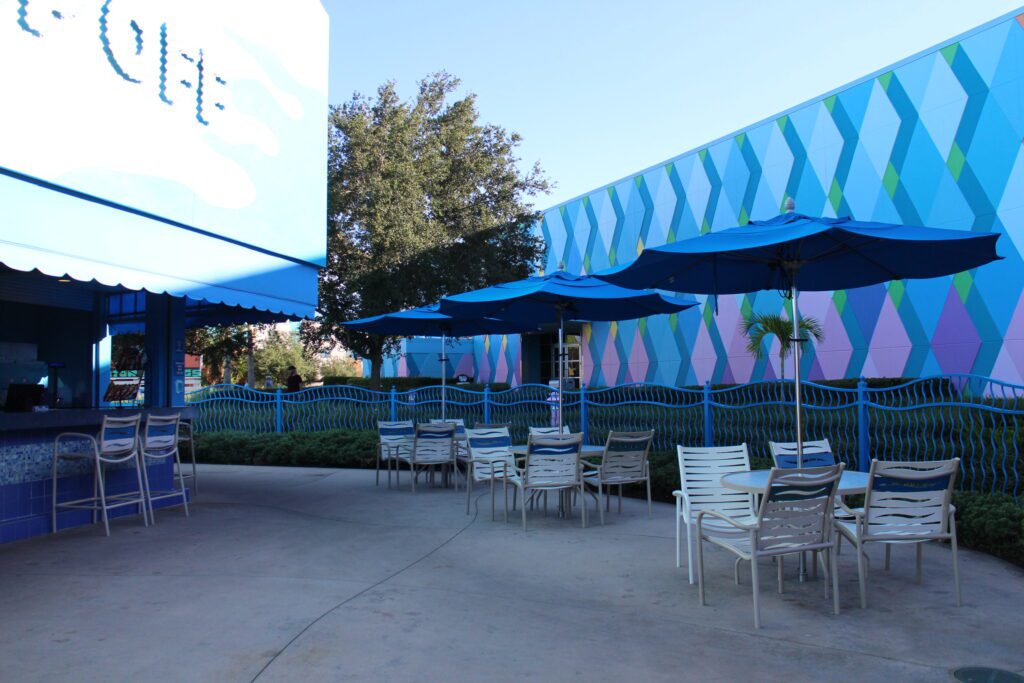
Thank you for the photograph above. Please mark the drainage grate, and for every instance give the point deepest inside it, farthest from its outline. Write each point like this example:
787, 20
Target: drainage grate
985, 674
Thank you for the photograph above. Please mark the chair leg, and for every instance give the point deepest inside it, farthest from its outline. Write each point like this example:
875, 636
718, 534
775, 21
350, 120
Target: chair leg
736, 570
523, 506
679, 528
195, 473
650, 505
492, 492
600, 495
504, 491
757, 596
103, 497
145, 499
861, 571
377, 480
583, 506
919, 546
469, 490
181, 483
778, 565
53, 495
691, 530
888, 555
956, 570
834, 572
700, 569
620, 499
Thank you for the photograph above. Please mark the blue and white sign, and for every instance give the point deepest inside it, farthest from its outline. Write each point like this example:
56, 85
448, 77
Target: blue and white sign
185, 124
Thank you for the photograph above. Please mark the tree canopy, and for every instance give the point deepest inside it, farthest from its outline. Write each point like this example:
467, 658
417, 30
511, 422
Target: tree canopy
759, 326
423, 201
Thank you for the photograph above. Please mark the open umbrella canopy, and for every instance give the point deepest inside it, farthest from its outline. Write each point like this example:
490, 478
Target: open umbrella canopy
428, 321
563, 296
809, 253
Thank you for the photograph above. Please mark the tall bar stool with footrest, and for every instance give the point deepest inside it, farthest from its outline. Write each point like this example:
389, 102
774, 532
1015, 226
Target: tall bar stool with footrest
159, 444
117, 443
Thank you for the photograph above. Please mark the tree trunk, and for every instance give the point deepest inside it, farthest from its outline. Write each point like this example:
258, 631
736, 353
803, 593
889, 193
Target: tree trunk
250, 375
782, 366
376, 365
226, 379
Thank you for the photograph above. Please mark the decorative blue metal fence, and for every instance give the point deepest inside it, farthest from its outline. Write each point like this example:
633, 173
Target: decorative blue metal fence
978, 419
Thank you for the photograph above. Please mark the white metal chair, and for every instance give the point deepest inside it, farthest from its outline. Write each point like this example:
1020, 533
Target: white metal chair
433, 447
159, 443
700, 488
117, 443
624, 461
552, 464
795, 517
905, 503
547, 431
816, 454
491, 459
395, 437
186, 436
461, 449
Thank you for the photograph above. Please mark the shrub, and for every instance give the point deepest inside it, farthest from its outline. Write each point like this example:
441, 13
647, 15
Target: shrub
991, 523
334, 448
402, 384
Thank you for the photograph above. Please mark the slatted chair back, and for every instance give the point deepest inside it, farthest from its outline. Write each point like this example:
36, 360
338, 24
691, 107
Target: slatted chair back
161, 433
546, 431
396, 434
434, 443
491, 450
119, 435
796, 510
553, 461
816, 454
909, 500
700, 475
460, 425
625, 456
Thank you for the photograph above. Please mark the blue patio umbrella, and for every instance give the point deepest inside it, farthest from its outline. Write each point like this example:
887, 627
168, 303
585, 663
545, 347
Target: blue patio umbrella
561, 296
428, 321
794, 252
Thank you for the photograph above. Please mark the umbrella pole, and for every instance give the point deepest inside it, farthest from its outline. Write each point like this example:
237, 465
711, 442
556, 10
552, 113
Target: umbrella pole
444, 373
561, 363
796, 378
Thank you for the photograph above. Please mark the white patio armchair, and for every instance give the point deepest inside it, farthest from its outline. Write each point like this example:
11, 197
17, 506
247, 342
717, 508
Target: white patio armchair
552, 464
905, 503
395, 437
433, 448
547, 431
700, 488
815, 454
795, 517
491, 460
624, 461
461, 449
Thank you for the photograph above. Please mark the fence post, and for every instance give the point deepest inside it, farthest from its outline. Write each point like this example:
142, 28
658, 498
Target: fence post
278, 412
709, 423
487, 404
394, 404
583, 412
863, 433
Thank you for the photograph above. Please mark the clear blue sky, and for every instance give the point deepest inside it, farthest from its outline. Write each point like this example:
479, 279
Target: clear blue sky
601, 89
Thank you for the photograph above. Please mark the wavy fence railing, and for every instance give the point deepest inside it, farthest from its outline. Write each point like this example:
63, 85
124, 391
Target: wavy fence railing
978, 419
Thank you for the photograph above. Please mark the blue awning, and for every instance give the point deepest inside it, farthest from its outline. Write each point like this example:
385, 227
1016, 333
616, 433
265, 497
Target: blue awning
60, 232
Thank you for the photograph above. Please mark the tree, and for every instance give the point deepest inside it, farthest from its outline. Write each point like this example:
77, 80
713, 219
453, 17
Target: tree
423, 201
276, 353
219, 345
759, 326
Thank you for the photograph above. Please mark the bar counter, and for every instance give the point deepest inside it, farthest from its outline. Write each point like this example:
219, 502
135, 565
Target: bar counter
26, 462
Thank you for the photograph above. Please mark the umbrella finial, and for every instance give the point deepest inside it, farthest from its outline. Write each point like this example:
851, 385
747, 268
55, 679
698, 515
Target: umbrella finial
788, 206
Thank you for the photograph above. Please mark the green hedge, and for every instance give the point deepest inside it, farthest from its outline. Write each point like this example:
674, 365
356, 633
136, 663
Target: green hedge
990, 523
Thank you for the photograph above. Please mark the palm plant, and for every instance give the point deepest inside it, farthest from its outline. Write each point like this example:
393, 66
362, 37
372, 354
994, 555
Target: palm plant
758, 326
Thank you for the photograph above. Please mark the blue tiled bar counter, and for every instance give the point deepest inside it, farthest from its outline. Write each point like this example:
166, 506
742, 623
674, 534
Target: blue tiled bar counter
26, 457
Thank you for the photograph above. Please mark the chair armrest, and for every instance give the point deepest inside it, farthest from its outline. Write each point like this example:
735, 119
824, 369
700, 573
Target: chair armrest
590, 465
724, 518
678, 494
848, 510
76, 435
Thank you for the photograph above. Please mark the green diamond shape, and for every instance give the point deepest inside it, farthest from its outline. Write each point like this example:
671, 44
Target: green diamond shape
705, 226
702, 154
709, 313
673, 321
956, 160
835, 195
830, 103
885, 79
782, 121
839, 299
746, 308
611, 256
963, 283
642, 326
740, 139
586, 263
744, 217
891, 179
896, 291
949, 52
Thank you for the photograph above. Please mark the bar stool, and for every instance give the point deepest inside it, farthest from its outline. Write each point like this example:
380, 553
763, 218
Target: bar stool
117, 443
160, 442
185, 436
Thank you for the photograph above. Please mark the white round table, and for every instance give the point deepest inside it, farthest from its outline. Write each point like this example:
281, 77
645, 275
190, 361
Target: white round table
755, 481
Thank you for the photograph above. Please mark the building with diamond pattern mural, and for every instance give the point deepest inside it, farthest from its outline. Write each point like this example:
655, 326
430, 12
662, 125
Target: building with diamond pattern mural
934, 140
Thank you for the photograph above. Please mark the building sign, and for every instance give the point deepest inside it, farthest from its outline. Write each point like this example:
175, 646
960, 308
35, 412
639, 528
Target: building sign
208, 114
